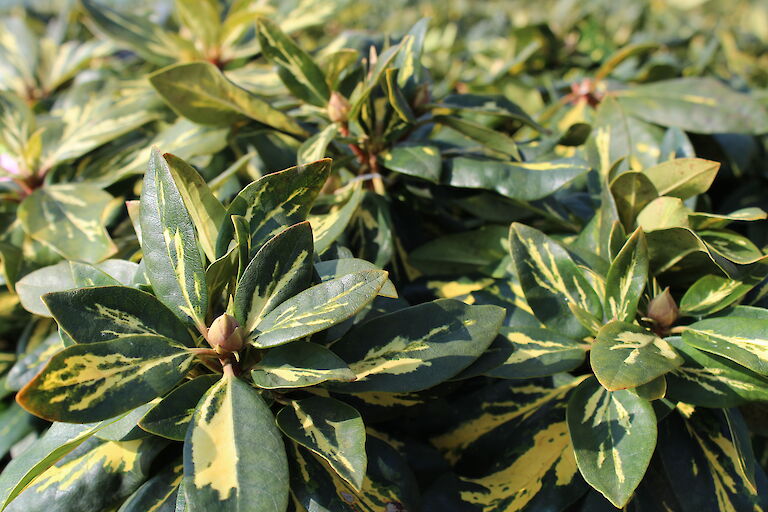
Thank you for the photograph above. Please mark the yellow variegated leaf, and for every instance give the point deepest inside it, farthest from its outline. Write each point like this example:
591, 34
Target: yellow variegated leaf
234, 457
95, 381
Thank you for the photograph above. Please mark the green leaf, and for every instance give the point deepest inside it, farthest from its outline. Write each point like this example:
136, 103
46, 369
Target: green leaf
34, 285
88, 275
16, 424
281, 269
201, 93
699, 105
708, 380
149, 40
743, 340
535, 472
299, 364
526, 181
331, 429
389, 482
550, 281
57, 442
70, 219
316, 147
417, 347
710, 294
375, 75
697, 447
331, 269
159, 493
626, 279
107, 312
632, 191
480, 250
663, 213
78, 480
127, 427
206, 211
34, 358
276, 201
613, 435
171, 255
683, 177
327, 228
653, 390
488, 137
420, 160
170, 417
626, 356
318, 308
234, 457
488, 104
94, 381
298, 71
523, 353
203, 18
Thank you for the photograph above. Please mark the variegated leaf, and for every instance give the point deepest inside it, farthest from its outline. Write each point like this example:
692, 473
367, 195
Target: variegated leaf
712, 293
70, 218
526, 353
417, 347
77, 482
389, 483
171, 255
281, 268
331, 269
170, 416
614, 436
206, 211
525, 181
296, 68
331, 429
626, 356
318, 308
743, 340
328, 227
683, 177
234, 457
94, 381
104, 313
536, 472
274, 202
159, 493
704, 463
299, 364
57, 442
626, 279
200, 92
709, 380
33, 360
550, 281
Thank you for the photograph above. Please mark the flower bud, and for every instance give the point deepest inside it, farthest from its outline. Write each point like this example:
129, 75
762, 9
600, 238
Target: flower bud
663, 309
225, 334
338, 108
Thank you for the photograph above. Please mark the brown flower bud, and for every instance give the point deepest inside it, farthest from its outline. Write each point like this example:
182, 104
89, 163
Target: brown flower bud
663, 309
338, 108
225, 335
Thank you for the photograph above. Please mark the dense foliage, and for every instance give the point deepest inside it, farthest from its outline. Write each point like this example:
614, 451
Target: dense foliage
510, 258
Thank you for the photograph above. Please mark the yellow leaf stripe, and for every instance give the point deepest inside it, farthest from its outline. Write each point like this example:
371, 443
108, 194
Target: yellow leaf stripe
214, 454
454, 442
512, 488
109, 456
